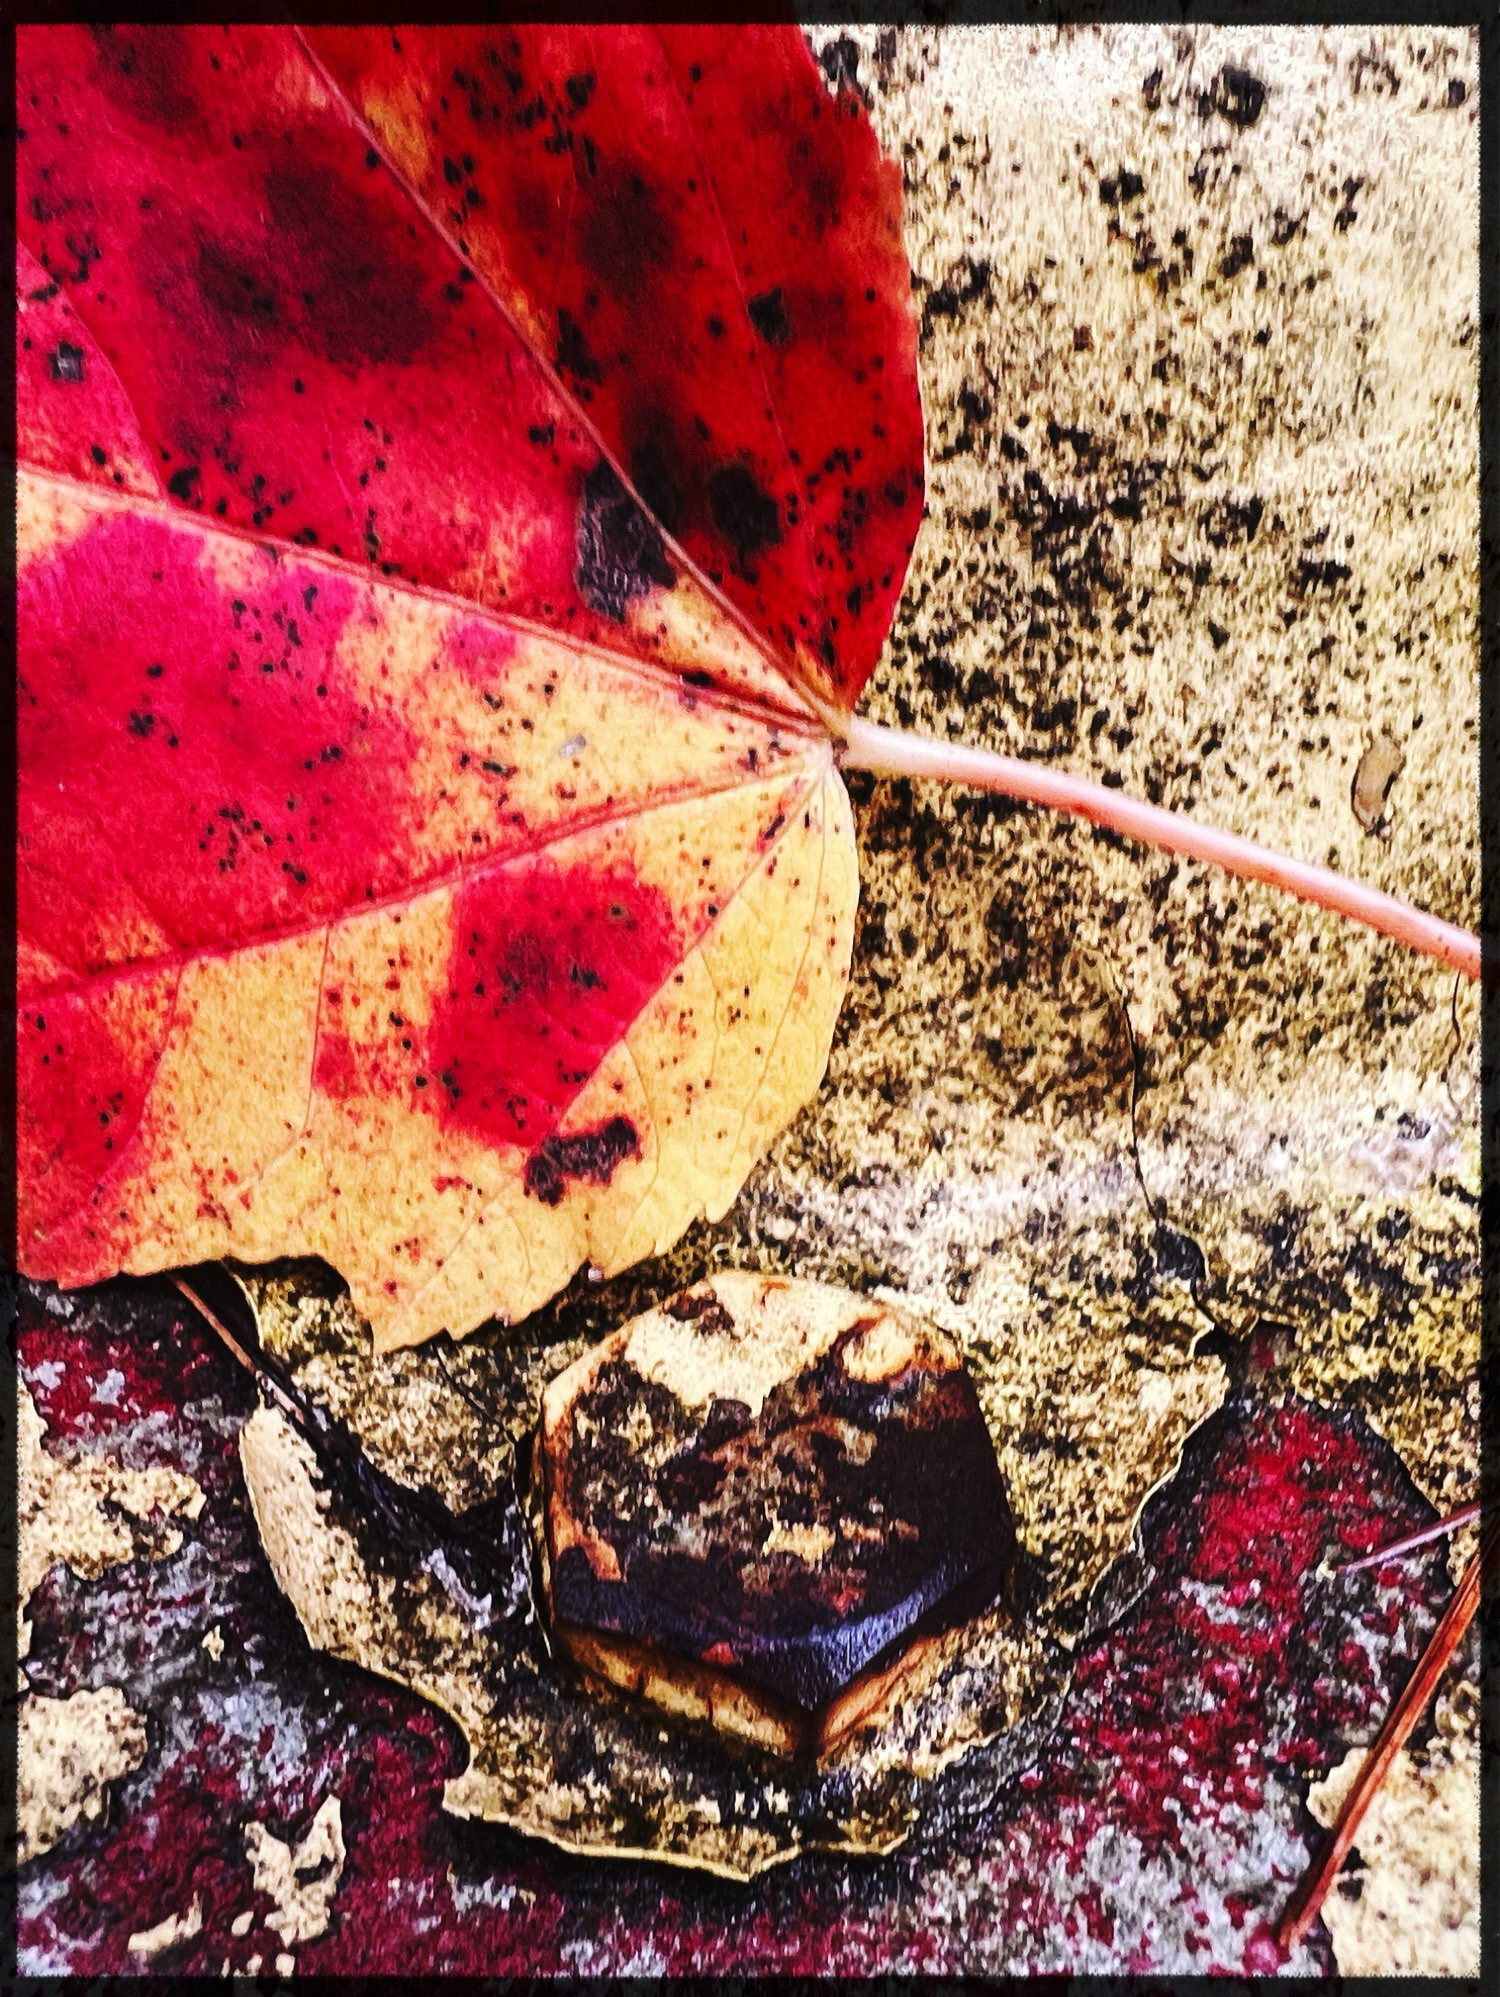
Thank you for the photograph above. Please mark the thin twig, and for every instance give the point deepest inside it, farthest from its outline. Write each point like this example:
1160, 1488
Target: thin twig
1305, 1903
1412, 1540
264, 1374
416, 1520
217, 1324
890, 752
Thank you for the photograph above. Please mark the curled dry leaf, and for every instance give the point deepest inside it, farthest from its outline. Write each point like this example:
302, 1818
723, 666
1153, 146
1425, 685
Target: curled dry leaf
458, 468
552, 1754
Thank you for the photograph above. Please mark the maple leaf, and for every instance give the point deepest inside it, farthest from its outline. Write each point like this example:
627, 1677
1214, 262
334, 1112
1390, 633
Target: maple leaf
459, 469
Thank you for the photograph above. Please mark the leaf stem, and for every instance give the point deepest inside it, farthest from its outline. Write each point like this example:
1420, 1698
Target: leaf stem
890, 752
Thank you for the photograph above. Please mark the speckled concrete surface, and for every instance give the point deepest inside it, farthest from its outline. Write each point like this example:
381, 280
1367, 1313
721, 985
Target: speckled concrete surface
1201, 400
1199, 366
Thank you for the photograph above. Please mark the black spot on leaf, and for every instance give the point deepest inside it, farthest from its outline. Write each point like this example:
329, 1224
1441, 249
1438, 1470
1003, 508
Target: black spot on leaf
743, 512
768, 316
620, 549
593, 1155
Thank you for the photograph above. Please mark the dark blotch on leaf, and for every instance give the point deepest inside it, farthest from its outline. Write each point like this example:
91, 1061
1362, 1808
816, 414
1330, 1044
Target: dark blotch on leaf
694, 1307
572, 354
620, 550
652, 476
627, 234
148, 71
593, 1155
768, 316
743, 512
236, 288
368, 292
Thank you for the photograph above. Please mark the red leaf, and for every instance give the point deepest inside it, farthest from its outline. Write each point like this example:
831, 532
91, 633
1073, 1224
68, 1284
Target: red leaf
352, 344
339, 611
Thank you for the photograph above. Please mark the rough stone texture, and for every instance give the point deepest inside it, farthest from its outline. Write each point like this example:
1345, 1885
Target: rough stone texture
1199, 364
90, 1515
1410, 1903
1201, 397
169, 1932
303, 1878
68, 1752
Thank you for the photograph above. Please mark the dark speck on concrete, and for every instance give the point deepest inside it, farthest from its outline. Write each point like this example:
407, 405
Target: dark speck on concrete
1237, 95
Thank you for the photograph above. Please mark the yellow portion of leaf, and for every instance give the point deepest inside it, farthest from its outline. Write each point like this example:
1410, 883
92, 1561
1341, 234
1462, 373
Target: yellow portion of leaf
481, 768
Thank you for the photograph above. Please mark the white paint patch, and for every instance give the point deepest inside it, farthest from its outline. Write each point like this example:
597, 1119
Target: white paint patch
91, 1514
302, 1879
107, 1393
175, 1928
68, 1751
